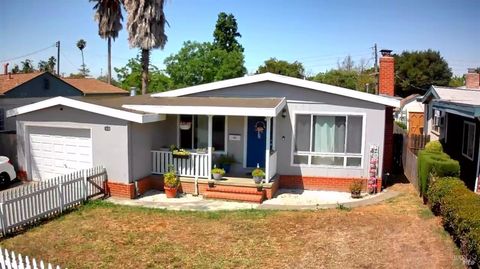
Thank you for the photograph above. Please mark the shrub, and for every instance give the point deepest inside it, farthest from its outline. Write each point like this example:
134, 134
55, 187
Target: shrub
170, 179
437, 164
257, 172
401, 125
434, 146
459, 208
356, 186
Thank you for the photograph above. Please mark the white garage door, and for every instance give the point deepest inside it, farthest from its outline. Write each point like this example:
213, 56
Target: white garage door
58, 151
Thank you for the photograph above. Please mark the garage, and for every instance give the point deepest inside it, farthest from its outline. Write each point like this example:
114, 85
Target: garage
56, 151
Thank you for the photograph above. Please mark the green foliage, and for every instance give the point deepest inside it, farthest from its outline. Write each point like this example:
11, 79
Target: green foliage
459, 208
258, 172
15, 69
27, 66
281, 67
226, 33
434, 146
170, 178
457, 81
217, 170
416, 71
131, 76
350, 79
47, 66
435, 164
198, 63
401, 125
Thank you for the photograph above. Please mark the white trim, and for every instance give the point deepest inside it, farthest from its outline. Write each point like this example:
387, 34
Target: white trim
209, 110
98, 109
284, 80
245, 137
310, 153
463, 137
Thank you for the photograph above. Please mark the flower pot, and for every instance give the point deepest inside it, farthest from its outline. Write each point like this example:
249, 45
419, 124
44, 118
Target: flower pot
356, 195
217, 176
181, 156
211, 184
227, 167
185, 125
257, 180
171, 192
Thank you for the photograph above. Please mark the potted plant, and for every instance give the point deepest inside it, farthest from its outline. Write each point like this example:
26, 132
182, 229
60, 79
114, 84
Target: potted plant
181, 154
218, 173
226, 161
185, 125
170, 182
258, 175
356, 188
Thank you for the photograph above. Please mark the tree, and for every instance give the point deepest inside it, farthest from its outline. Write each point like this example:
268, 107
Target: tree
146, 30
341, 78
416, 71
15, 69
130, 76
226, 33
108, 14
27, 66
347, 64
81, 44
457, 81
47, 66
113, 82
281, 67
197, 63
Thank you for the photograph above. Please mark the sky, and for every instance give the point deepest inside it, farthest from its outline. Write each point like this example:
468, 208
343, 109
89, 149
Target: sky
315, 32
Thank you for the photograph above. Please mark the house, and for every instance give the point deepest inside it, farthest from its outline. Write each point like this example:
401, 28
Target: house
304, 135
410, 113
452, 117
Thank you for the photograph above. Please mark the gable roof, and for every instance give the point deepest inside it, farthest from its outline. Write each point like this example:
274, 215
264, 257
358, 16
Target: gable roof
379, 99
87, 86
453, 95
9, 82
93, 86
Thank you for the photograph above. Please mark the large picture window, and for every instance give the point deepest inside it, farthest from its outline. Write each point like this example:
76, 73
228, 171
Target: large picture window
468, 143
328, 140
196, 137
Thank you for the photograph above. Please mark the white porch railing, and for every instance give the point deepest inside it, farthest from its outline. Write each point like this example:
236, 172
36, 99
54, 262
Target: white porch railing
272, 165
195, 165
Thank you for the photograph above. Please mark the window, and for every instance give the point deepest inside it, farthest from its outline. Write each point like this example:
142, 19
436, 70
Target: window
468, 140
2, 119
438, 118
328, 140
196, 136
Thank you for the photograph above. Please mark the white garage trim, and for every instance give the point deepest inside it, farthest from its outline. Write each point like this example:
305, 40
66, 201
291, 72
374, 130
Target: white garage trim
98, 109
28, 151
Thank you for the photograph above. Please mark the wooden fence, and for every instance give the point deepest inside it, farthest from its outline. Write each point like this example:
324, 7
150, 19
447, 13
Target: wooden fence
10, 260
27, 204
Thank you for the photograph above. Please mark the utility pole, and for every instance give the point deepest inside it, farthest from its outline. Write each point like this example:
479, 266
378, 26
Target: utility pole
375, 52
57, 44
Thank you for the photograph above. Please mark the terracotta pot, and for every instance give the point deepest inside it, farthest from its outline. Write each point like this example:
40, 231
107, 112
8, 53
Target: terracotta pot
171, 192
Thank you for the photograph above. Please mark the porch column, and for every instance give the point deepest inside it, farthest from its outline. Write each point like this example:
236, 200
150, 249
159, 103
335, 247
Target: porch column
267, 150
274, 133
210, 134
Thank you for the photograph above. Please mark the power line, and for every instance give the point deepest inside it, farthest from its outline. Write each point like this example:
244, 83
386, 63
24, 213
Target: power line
28, 54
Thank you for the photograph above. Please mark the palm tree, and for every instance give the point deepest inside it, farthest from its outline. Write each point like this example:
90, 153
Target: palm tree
108, 14
81, 44
146, 30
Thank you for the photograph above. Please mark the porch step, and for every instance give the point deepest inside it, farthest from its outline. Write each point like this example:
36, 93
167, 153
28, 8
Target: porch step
235, 189
253, 198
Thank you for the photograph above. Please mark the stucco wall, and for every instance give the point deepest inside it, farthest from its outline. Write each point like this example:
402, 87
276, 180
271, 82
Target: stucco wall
10, 103
305, 100
109, 148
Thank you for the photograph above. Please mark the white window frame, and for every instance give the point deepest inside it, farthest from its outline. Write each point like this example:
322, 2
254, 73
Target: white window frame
328, 154
436, 121
463, 141
193, 135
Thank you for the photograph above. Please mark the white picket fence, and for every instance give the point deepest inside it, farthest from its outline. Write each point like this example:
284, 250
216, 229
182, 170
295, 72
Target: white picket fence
27, 204
10, 260
195, 165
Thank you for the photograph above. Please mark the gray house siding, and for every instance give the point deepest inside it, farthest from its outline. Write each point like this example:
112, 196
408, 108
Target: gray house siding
45, 85
306, 100
109, 148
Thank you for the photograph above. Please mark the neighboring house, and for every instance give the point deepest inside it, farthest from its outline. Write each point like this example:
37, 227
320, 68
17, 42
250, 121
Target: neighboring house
304, 134
410, 113
452, 116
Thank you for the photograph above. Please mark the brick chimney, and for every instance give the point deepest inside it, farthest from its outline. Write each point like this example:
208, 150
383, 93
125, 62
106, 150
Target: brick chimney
5, 68
386, 80
472, 79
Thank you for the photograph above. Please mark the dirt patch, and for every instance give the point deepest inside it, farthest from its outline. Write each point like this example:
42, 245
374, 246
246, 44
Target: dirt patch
396, 233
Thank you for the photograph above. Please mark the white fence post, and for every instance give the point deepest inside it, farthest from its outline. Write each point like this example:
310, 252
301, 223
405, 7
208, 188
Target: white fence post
85, 187
3, 219
60, 196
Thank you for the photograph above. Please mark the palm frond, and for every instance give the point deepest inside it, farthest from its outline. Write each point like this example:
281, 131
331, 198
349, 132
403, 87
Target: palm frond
108, 14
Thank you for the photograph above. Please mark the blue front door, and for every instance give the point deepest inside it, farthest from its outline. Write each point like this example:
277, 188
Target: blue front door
256, 141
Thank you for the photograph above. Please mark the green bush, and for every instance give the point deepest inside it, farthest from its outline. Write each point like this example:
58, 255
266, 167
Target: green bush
459, 208
401, 125
436, 164
434, 146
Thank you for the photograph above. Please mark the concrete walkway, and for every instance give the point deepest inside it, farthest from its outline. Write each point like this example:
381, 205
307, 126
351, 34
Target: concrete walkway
157, 199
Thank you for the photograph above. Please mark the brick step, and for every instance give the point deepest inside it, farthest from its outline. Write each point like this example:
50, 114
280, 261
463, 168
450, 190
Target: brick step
253, 198
231, 189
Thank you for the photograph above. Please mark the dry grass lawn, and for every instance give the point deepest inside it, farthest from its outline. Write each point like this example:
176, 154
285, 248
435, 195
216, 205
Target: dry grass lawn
399, 233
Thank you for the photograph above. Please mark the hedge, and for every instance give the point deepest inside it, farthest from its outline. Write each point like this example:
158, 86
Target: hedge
435, 163
460, 211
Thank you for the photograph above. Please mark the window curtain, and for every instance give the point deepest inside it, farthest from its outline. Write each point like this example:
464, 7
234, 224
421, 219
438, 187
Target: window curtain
329, 134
